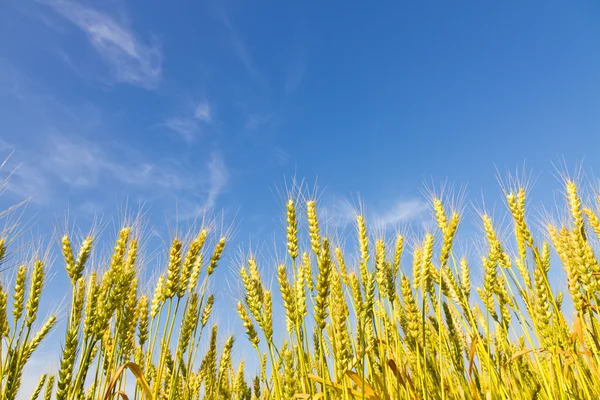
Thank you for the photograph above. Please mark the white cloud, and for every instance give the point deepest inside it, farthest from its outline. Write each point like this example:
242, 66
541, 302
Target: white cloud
297, 68
203, 112
344, 213
76, 164
218, 177
189, 126
293, 77
91, 208
129, 58
402, 211
81, 164
5, 147
26, 182
340, 213
241, 51
255, 121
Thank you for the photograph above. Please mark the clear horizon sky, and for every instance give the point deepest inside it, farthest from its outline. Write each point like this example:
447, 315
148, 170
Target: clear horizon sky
197, 107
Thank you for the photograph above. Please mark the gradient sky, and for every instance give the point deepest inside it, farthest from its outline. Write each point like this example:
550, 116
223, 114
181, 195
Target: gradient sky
197, 107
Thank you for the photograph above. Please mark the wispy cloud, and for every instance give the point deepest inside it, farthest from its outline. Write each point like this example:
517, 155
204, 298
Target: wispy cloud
26, 182
51, 165
241, 51
293, 77
79, 164
82, 164
402, 211
203, 112
130, 59
218, 177
215, 182
186, 127
189, 126
296, 70
255, 121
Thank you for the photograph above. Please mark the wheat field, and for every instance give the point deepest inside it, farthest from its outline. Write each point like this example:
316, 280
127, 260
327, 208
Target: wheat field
399, 318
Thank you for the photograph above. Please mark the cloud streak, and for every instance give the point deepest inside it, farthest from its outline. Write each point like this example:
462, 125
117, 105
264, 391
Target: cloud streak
241, 51
129, 58
402, 211
218, 178
78, 164
83, 164
189, 126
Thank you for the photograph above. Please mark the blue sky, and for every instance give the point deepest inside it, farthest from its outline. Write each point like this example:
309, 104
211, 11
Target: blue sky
210, 106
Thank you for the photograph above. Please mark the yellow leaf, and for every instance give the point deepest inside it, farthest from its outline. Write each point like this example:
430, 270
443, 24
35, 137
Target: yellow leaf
139, 376
368, 389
